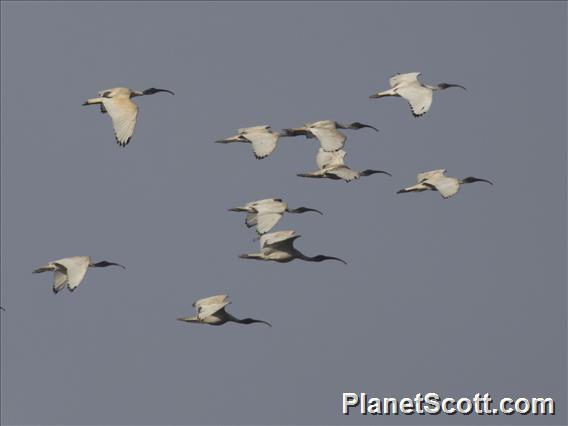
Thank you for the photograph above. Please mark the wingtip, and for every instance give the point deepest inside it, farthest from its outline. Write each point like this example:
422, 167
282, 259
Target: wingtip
122, 143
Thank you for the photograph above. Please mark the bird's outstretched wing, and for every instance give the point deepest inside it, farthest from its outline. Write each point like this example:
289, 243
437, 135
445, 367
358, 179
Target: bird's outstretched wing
280, 239
329, 139
254, 128
407, 78
75, 268
266, 221
250, 220
343, 172
265, 201
446, 186
263, 142
420, 177
419, 98
210, 305
264, 214
123, 113
325, 159
59, 278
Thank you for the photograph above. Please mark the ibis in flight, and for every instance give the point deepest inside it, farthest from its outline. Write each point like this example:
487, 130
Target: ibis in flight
262, 139
279, 247
265, 214
436, 180
70, 271
331, 165
417, 94
123, 112
326, 133
211, 310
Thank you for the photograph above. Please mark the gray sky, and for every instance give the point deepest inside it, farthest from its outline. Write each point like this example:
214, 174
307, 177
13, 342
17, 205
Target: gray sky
451, 296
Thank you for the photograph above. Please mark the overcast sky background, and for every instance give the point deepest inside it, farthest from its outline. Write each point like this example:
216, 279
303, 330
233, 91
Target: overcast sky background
454, 296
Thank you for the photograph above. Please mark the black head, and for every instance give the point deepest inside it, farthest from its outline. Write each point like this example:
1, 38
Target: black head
153, 90
104, 264
321, 258
444, 86
471, 179
369, 172
358, 125
304, 210
252, 320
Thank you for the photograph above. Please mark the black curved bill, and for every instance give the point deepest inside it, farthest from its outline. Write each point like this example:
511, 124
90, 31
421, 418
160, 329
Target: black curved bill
335, 258
104, 264
358, 125
153, 90
455, 85
472, 179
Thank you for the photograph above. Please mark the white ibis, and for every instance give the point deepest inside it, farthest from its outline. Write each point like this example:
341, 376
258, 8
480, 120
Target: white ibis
265, 214
211, 311
262, 139
279, 247
70, 271
417, 94
436, 180
326, 133
123, 112
332, 166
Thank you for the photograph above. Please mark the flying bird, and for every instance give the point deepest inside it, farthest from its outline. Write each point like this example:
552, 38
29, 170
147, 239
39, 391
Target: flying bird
326, 133
417, 94
265, 214
436, 180
262, 139
331, 165
279, 247
70, 271
211, 310
123, 112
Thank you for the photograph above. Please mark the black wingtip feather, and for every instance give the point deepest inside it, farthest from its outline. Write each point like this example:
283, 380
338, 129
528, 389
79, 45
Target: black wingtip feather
122, 144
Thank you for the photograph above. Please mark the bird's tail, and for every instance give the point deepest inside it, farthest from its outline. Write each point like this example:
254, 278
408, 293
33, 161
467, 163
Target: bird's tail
250, 256
188, 319
382, 94
309, 175
403, 190
93, 101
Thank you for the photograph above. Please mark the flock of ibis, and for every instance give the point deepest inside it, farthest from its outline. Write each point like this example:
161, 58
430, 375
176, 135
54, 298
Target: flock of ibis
264, 215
